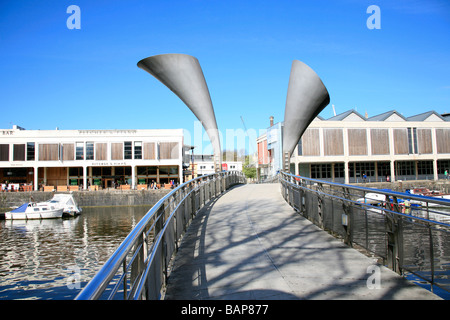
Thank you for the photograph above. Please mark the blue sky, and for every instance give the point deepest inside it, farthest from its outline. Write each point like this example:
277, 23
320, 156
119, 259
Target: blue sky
51, 76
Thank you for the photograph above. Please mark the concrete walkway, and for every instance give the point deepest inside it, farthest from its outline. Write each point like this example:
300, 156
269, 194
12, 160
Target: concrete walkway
250, 244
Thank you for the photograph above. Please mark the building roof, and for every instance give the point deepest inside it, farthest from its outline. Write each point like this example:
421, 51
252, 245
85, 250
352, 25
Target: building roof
393, 115
389, 115
349, 115
433, 115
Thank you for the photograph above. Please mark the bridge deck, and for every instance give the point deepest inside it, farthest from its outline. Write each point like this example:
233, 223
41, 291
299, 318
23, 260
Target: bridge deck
250, 244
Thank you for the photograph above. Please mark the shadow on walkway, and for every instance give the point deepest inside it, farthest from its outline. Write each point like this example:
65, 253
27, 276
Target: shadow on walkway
250, 244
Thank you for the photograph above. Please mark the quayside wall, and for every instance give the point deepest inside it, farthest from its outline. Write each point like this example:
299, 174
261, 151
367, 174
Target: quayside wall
103, 198
401, 186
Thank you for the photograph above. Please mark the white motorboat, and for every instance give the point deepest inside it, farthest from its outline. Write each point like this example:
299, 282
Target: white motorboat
67, 203
373, 198
34, 210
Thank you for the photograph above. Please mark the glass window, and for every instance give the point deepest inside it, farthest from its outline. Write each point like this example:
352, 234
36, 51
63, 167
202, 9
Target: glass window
76, 171
30, 151
412, 140
320, 171
406, 168
410, 143
425, 167
416, 150
339, 171
15, 172
89, 151
106, 171
173, 170
142, 171
127, 150
358, 169
163, 170
443, 165
138, 150
299, 148
384, 169
96, 171
326, 171
79, 151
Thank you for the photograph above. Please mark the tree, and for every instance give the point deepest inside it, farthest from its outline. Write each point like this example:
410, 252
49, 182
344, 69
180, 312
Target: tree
249, 169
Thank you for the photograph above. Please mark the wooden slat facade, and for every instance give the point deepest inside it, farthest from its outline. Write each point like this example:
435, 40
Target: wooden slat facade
168, 150
117, 151
357, 142
424, 142
19, 152
149, 151
443, 140
101, 151
333, 142
68, 151
400, 141
311, 142
49, 152
57, 177
379, 139
4, 152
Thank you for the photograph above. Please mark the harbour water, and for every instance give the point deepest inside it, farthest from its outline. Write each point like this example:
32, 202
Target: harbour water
54, 259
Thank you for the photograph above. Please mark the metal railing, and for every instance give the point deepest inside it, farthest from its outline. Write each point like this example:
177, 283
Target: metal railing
411, 233
139, 268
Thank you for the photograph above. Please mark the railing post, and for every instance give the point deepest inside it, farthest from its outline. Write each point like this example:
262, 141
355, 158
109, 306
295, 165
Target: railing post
431, 255
193, 206
346, 217
303, 196
320, 204
394, 232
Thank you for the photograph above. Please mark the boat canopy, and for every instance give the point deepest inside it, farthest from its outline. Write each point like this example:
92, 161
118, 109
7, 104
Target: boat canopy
63, 198
22, 208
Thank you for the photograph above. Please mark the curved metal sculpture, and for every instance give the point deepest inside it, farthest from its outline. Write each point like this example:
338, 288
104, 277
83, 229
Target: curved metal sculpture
183, 75
306, 98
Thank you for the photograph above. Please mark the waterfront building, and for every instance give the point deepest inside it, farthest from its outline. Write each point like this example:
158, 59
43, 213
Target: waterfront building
351, 148
203, 164
270, 151
89, 159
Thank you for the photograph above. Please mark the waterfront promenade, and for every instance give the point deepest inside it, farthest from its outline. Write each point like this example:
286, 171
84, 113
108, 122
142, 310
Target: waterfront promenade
250, 244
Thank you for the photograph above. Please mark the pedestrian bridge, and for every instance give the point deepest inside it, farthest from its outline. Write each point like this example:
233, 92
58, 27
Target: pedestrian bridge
218, 238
